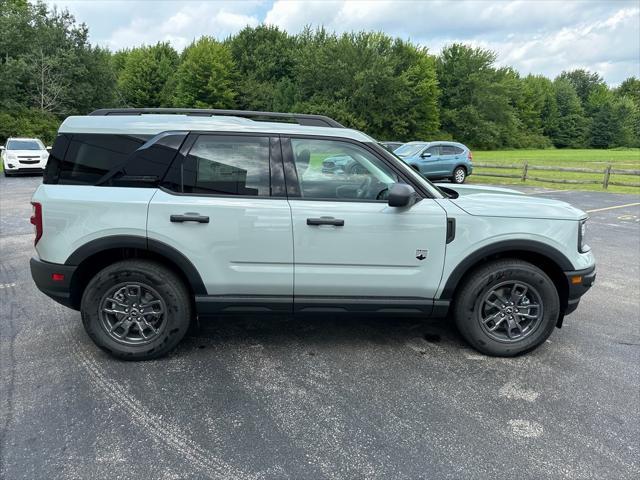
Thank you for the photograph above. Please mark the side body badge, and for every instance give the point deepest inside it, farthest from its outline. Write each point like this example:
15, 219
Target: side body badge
421, 254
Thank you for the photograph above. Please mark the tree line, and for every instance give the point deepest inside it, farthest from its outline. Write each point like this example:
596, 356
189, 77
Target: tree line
387, 87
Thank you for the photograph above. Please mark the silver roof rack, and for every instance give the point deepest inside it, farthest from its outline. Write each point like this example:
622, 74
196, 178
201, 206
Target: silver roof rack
299, 118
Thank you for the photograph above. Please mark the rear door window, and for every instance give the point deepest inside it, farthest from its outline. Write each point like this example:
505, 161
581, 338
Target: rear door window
228, 165
448, 150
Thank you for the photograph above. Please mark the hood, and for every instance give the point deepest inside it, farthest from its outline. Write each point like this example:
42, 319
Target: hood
473, 189
504, 202
27, 153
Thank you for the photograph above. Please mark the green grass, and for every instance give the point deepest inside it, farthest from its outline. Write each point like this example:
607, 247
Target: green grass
626, 159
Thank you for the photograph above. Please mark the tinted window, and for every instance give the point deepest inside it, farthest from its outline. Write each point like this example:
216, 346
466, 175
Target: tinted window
56, 157
448, 150
329, 169
228, 165
24, 145
90, 156
148, 164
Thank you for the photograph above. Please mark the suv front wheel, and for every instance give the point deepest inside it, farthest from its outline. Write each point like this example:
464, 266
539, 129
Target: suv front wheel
506, 308
136, 309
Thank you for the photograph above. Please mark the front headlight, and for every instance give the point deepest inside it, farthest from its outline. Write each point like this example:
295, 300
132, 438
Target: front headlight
582, 235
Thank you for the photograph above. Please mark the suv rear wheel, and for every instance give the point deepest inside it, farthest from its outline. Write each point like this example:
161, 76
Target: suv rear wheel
136, 309
506, 308
459, 175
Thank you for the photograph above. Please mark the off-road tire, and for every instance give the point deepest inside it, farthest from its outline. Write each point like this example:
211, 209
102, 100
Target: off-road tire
468, 305
165, 283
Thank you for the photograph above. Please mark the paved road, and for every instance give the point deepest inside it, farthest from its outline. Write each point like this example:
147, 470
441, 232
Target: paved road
326, 397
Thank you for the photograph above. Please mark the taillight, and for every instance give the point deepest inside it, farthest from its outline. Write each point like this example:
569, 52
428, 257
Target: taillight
470, 155
36, 220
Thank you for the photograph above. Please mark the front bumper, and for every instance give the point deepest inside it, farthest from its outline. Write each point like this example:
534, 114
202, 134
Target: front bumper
59, 290
579, 281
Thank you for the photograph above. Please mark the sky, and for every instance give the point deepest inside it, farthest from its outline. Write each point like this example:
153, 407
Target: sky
533, 36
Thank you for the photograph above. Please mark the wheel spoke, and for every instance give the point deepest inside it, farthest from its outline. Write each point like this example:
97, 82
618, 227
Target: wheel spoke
493, 304
491, 317
114, 307
530, 305
516, 296
134, 292
496, 324
125, 324
153, 307
502, 300
513, 325
143, 325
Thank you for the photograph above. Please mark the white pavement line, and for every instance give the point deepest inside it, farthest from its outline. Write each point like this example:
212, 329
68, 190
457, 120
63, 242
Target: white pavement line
615, 206
548, 191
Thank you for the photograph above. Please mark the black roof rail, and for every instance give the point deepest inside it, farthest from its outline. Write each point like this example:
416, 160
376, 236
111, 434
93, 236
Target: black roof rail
299, 118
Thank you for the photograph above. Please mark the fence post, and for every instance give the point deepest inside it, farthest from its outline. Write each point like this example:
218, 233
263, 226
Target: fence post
607, 174
525, 169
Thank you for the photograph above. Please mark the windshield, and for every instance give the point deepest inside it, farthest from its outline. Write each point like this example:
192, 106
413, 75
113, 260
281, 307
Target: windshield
24, 145
409, 149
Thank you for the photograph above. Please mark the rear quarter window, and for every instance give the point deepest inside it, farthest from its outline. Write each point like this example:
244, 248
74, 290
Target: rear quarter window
90, 156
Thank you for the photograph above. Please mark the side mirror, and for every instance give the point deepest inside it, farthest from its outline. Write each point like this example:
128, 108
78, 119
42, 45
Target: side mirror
401, 195
425, 155
1, 148
49, 148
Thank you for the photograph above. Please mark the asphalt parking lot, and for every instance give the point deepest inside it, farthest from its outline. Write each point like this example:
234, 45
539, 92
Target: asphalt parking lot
331, 397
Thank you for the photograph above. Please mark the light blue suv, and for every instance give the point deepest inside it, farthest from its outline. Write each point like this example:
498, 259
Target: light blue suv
438, 160
149, 218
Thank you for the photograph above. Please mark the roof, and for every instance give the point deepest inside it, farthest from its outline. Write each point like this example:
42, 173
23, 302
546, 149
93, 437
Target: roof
436, 142
152, 124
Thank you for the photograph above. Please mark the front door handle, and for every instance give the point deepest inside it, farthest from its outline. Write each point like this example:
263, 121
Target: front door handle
336, 222
189, 217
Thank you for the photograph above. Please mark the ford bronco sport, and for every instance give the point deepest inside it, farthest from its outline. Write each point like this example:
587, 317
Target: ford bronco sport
149, 217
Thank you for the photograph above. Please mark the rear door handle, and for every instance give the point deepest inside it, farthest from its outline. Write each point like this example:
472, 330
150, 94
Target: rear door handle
189, 217
336, 222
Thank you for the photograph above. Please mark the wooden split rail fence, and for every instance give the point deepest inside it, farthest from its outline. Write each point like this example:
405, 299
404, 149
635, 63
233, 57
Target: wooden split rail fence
525, 174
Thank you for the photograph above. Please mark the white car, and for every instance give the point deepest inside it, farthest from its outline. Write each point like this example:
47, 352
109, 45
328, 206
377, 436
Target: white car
24, 155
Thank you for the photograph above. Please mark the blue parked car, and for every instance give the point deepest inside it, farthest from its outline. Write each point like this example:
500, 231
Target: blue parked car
438, 160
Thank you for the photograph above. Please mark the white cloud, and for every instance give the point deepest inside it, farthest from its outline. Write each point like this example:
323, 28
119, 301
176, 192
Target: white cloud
543, 37
183, 26
534, 36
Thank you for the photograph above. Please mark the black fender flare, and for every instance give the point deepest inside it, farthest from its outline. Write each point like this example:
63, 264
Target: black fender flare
142, 243
529, 246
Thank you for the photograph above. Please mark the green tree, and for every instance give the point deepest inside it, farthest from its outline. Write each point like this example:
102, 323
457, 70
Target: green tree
478, 101
584, 82
572, 123
369, 81
264, 57
206, 76
630, 88
538, 110
145, 79
47, 62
